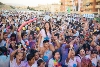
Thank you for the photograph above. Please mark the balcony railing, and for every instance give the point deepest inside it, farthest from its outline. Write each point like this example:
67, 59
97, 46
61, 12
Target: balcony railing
69, 4
97, 0
97, 6
89, 7
89, 1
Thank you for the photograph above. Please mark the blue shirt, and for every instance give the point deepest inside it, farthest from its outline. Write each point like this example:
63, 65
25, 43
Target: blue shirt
4, 61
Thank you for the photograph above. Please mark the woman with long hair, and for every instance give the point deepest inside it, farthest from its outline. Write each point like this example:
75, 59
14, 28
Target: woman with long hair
44, 34
81, 53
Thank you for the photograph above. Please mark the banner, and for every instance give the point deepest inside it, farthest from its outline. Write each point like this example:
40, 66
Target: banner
88, 15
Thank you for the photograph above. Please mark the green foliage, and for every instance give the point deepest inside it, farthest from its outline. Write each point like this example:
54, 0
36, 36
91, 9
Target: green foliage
98, 19
12, 7
30, 8
41, 10
1, 3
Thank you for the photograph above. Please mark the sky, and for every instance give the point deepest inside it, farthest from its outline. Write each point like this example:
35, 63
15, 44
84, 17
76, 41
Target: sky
30, 2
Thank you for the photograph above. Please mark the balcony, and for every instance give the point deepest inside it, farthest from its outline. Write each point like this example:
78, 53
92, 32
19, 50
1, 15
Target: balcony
68, 0
69, 4
91, 1
89, 7
97, 6
97, 0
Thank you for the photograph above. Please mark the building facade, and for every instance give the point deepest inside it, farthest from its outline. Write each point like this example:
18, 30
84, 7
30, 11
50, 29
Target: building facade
92, 5
74, 5
80, 5
98, 6
48, 7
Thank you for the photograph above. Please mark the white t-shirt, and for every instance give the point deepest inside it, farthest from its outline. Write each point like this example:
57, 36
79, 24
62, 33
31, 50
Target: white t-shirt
51, 63
43, 34
23, 43
72, 63
94, 60
34, 65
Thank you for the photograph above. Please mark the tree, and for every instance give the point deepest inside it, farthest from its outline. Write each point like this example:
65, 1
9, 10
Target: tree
28, 7
12, 7
1, 3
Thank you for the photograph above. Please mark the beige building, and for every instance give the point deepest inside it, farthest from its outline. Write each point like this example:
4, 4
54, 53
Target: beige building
48, 7
40, 7
54, 8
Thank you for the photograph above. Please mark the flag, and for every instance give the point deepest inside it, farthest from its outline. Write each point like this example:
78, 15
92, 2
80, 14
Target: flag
69, 10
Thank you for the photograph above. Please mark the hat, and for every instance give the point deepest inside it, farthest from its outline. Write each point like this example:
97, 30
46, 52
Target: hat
46, 38
37, 28
24, 28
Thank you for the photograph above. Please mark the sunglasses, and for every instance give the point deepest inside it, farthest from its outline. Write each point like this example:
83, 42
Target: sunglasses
94, 52
25, 35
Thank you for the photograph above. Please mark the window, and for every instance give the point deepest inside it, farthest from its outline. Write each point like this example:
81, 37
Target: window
98, 3
61, 3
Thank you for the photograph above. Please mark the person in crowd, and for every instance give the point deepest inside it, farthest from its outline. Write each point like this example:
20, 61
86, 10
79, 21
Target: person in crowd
93, 57
13, 46
87, 48
30, 60
17, 61
4, 57
55, 61
72, 61
45, 33
47, 53
3, 37
81, 53
37, 56
86, 62
73, 42
41, 63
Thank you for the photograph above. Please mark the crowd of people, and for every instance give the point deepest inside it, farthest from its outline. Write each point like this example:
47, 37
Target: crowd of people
61, 41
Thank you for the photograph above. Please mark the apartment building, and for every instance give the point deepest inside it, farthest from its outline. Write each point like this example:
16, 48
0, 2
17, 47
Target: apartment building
98, 6
75, 5
92, 5
65, 4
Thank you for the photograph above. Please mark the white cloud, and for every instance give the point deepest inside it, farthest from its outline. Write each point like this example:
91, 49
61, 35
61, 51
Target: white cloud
30, 2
